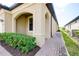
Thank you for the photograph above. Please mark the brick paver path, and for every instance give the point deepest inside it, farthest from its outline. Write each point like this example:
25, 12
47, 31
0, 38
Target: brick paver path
4, 52
53, 47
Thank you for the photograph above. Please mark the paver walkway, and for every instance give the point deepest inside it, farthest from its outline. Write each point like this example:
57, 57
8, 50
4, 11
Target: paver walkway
4, 52
53, 47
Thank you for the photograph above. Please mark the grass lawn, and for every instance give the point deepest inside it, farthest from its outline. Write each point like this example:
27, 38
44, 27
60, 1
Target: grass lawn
72, 47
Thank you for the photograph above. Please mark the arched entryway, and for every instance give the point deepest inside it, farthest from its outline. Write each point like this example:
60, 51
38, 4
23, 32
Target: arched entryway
24, 23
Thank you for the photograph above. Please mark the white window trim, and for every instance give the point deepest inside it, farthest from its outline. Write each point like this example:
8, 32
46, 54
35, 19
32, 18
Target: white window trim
28, 23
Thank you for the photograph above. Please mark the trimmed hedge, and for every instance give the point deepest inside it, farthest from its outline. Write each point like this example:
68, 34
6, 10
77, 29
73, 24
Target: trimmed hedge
22, 42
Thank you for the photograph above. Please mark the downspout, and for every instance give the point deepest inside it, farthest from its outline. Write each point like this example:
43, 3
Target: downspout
51, 27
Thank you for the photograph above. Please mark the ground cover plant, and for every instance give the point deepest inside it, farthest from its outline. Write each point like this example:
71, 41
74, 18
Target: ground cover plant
24, 43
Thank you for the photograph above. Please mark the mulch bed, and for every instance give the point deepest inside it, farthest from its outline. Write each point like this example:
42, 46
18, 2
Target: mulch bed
16, 52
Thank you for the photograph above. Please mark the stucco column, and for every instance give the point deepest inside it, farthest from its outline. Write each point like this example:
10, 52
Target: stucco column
39, 26
13, 24
8, 22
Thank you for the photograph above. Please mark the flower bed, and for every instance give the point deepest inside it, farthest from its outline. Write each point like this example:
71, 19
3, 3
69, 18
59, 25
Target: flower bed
23, 43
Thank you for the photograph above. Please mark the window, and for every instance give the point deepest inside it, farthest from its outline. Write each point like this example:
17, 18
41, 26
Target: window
31, 24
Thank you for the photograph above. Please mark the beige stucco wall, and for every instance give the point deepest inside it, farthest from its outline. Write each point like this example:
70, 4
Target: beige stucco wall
8, 22
54, 23
21, 24
2, 17
54, 26
38, 20
40, 31
48, 24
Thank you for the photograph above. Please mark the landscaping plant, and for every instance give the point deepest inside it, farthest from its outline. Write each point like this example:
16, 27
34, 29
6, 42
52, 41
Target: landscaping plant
22, 42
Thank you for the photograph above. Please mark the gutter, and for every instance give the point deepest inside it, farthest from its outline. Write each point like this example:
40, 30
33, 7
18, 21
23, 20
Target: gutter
51, 9
49, 6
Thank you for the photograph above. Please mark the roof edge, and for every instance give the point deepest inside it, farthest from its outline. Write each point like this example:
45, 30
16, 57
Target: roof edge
51, 9
49, 6
76, 18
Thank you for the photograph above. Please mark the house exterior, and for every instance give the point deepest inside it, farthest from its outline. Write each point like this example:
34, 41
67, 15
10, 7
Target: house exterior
73, 25
35, 19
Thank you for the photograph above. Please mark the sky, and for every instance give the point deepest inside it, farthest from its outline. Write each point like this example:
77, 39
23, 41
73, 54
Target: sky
8, 4
65, 12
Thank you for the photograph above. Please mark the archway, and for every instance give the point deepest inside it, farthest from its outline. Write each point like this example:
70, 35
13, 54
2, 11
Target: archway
23, 23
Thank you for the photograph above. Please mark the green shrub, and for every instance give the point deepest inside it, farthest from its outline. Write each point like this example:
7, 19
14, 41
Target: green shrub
22, 42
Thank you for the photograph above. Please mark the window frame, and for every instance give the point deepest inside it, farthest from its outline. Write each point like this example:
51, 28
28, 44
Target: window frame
29, 23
